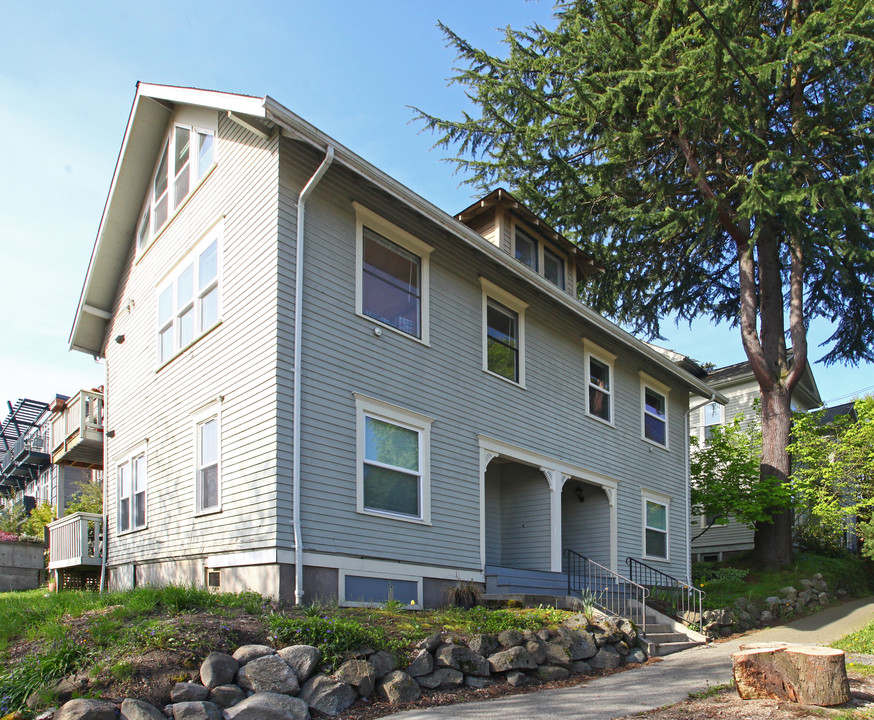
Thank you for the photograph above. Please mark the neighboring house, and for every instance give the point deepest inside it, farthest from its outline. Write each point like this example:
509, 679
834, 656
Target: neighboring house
49, 450
421, 399
737, 383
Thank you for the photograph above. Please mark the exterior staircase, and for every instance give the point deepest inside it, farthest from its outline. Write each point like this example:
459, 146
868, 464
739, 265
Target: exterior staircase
665, 636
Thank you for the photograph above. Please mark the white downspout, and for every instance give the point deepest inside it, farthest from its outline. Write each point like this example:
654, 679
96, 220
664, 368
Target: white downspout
105, 469
688, 419
298, 327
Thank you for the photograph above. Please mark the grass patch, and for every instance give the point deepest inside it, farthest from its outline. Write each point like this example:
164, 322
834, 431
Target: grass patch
861, 641
36, 671
711, 691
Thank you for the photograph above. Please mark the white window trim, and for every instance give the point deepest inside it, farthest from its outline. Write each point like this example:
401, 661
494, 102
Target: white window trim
215, 232
368, 406
127, 459
365, 216
540, 245
591, 350
647, 381
490, 290
704, 424
343, 572
199, 417
660, 499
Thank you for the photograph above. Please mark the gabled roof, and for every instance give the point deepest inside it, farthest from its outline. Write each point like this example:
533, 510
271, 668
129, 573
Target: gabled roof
835, 411
150, 113
806, 389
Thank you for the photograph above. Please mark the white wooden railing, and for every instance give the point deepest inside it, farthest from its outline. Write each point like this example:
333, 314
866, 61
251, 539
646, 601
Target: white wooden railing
76, 539
83, 412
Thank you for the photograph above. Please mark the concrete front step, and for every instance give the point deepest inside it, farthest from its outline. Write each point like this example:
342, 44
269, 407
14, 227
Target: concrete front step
673, 647
662, 638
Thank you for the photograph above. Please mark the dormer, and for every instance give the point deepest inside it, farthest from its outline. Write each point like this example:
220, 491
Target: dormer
508, 224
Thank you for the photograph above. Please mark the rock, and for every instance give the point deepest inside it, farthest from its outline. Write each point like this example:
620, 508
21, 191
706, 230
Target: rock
543, 634
227, 695
516, 658
629, 632
484, 645
461, 658
580, 667
622, 648
383, 663
581, 644
187, 692
754, 613
578, 621
788, 592
64, 688
798, 673
605, 659
517, 678
86, 709
599, 637
327, 695
269, 706
303, 659
431, 643
218, 668
399, 687
510, 638
635, 655
359, 674
537, 649
767, 617
247, 653
547, 673
422, 664
807, 596
772, 600
268, 673
478, 682
556, 653
196, 711
442, 678
139, 710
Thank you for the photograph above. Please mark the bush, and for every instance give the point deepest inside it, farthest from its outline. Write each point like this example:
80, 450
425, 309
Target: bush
334, 636
88, 499
11, 518
39, 517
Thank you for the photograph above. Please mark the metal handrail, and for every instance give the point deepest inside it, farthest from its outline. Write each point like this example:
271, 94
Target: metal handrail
682, 600
610, 592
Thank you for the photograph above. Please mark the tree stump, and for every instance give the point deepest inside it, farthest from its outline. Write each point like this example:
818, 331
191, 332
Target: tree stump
799, 673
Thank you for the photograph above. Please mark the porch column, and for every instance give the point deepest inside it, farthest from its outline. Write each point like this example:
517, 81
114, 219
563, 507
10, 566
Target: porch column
556, 480
610, 492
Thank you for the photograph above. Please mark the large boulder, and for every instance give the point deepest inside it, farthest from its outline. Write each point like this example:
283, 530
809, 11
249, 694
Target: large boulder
430, 643
556, 653
461, 658
605, 659
327, 695
360, 674
399, 687
218, 668
383, 663
188, 692
303, 659
86, 709
484, 645
247, 653
268, 673
510, 638
442, 678
548, 673
227, 695
196, 711
422, 664
269, 706
516, 658
139, 710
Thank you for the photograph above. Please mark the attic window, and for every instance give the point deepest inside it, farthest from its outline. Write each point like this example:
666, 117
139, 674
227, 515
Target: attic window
539, 256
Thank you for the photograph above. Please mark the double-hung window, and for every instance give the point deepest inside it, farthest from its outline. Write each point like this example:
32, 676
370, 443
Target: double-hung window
503, 333
393, 461
654, 400
711, 416
188, 301
132, 480
656, 509
539, 256
599, 382
553, 268
392, 275
526, 249
207, 431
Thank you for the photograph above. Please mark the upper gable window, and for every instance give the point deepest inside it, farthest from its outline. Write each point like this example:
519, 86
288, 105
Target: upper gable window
392, 275
539, 256
187, 153
654, 398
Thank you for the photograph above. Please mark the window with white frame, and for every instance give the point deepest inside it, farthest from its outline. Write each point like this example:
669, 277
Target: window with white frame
654, 400
503, 333
711, 417
539, 256
392, 275
393, 474
599, 382
207, 426
187, 153
656, 510
132, 481
367, 589
188, 301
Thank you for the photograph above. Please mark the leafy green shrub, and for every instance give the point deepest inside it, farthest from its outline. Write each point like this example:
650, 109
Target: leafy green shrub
88, 499
483, 620
333, 636
711, 572
11, 518
848, 572
39, 517
36, 671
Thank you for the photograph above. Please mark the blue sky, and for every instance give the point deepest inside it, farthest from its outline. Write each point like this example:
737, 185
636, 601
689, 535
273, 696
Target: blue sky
67, 79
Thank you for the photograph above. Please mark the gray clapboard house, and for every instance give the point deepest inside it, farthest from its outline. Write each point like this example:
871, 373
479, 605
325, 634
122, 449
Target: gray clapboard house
320, 384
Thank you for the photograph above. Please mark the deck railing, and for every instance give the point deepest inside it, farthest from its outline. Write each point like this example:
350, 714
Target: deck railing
35, 442
76, 540
610, 592
674, 597
82, 413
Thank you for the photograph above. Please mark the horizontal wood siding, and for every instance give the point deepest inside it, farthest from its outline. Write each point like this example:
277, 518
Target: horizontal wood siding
445, 381
585, 526
493, 515
525, 519
152, 408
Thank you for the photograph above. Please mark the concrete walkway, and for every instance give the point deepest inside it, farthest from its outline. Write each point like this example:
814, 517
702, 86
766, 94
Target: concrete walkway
656, 685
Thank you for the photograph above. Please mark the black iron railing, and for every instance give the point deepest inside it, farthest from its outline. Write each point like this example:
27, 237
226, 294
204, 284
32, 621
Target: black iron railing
674, 597
606, 590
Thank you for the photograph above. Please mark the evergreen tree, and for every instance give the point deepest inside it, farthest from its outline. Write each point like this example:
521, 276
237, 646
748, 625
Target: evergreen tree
713, 154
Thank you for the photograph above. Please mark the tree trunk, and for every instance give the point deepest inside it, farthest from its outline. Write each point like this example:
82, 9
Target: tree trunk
773, 540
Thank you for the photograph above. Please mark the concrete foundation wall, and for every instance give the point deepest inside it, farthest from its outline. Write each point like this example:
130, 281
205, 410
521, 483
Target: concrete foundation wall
22, 565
